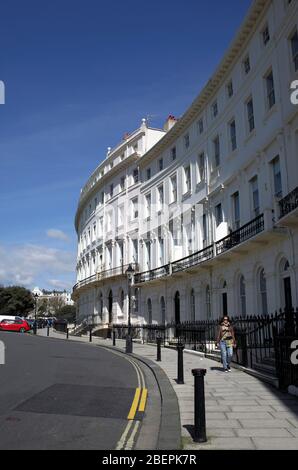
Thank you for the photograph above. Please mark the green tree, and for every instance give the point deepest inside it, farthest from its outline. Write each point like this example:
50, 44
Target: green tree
68, 312
42, 307
15, 300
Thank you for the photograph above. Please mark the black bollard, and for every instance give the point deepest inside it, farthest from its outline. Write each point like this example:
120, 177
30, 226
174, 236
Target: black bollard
90, 335
158, 342
67, 333
180, 379
114, 338
200, 414
48, 331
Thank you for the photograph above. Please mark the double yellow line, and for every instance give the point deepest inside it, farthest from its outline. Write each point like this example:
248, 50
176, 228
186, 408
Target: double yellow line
139, 402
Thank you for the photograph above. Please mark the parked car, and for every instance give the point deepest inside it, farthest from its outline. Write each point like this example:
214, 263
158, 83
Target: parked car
17, 324
10, 317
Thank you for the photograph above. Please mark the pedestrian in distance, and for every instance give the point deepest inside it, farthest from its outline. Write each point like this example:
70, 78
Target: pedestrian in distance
226, 341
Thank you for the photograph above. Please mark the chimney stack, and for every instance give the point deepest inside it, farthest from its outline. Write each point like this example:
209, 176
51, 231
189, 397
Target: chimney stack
170, 122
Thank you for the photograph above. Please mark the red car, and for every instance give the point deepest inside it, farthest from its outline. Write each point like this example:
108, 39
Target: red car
19, 325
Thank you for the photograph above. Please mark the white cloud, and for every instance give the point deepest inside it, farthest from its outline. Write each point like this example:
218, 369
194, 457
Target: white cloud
59, 284
57, 234
30, 265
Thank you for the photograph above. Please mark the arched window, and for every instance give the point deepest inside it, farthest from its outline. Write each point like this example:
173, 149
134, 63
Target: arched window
263, 292
208, 303
163, 310
192, 305
286, 266
242, 294
149, 311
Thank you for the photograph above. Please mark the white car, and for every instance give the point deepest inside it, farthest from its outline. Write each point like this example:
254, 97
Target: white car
10, 317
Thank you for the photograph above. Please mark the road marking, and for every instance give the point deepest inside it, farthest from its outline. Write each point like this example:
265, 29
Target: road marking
134, 405
143, 400
130, 442
121, 442
134, 425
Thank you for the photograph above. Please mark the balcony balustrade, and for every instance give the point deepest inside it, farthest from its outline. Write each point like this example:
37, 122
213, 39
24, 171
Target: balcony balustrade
240, 235
152, 274
108, 273
288, 203
193, 259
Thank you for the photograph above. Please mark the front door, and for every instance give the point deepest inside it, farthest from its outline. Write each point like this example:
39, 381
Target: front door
177, 308
110, 307
288, 293
224, 304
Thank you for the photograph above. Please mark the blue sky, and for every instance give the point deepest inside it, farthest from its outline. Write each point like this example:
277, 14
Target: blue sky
78, 75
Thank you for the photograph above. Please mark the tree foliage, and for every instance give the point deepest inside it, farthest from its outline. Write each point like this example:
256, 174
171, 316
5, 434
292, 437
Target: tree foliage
15, 300
67, 312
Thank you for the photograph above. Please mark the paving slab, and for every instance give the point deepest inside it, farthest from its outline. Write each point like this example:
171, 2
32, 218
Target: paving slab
260, 432
276, 443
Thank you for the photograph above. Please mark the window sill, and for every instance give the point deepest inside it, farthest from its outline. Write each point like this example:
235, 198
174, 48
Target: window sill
186, 195
215, 172
269, 113
250, 136
171, 204
232, 154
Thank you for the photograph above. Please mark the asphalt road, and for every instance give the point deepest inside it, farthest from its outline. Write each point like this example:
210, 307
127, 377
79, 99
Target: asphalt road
63, 395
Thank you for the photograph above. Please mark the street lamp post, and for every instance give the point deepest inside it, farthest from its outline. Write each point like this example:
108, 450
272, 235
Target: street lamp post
35, 313
129, 273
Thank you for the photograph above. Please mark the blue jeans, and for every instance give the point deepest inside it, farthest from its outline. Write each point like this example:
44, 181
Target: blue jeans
226, 354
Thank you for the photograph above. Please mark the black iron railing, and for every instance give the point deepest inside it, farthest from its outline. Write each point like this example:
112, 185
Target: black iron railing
193, 259
84, 282
152, 274
245, 232
288, 203
117, 271
263, 342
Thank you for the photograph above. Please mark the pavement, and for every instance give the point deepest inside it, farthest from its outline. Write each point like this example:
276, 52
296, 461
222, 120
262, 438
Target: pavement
242, 412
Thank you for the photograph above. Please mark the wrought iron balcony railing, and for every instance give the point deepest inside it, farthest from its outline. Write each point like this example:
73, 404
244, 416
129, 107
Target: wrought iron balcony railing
288, 203
117, 271
240, 235
152, 274
193, 259
244, 233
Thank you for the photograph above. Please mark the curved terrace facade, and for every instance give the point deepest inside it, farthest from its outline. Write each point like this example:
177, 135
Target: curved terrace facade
206, 210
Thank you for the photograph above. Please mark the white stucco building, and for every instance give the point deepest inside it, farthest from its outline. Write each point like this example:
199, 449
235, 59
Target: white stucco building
48, 295
207, 208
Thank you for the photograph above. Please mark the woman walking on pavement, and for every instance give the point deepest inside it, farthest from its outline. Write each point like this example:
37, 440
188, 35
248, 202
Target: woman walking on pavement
226, 341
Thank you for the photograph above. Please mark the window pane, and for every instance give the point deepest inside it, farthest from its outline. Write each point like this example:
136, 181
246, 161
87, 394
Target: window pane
270, 90
294, 44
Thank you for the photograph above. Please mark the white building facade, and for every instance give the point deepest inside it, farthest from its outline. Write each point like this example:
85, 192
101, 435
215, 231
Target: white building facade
205, 210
